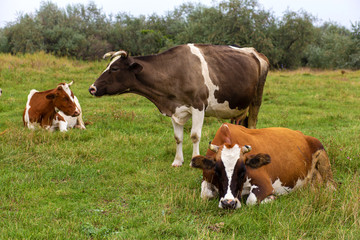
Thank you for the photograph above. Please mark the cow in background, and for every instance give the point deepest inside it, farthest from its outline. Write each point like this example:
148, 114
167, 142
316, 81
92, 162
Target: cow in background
192, 80
57, 108
0, 92
281, 160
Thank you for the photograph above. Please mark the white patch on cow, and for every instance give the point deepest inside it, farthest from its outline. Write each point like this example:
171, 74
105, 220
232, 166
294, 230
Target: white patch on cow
112, 61
74, 121
214, 108
208, 190
299, 183
26, 115
179, 135
61, 125
250, 51
66, 89
181, 115
246, 187
197, 123
252, 199
179, 118
279, 189
229, 157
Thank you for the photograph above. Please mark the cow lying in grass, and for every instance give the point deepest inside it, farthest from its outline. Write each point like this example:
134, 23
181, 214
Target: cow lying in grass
281, 161
57, 108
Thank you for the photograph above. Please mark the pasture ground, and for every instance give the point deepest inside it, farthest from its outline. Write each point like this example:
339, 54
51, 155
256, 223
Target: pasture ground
115, 181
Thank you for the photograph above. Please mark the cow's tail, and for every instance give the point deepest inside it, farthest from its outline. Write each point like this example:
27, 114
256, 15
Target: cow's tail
320, 172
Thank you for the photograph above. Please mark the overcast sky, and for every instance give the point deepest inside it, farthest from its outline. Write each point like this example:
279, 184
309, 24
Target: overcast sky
342, 12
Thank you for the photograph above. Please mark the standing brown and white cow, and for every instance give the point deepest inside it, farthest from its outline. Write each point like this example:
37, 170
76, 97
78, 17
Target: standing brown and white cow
52, 109
281, 160
191, 80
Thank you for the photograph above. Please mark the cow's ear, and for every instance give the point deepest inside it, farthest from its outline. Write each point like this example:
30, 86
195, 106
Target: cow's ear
135, 67
51, 96
258, 160
202, 162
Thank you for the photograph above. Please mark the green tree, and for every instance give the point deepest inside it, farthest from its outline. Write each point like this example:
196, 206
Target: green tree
25, 36
294, 33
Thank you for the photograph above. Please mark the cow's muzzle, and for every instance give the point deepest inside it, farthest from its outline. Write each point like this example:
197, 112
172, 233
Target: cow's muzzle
92, 90
76, 113
229, 204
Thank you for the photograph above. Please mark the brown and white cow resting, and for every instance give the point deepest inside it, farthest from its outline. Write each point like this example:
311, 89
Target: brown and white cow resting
57, 108
191, 80
281, 160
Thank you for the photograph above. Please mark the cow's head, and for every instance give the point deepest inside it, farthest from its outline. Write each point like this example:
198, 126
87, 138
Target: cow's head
63, 99
118, 77
230, 166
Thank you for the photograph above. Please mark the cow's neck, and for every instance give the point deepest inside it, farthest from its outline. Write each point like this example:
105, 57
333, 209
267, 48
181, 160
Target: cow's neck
48, 114
155, 87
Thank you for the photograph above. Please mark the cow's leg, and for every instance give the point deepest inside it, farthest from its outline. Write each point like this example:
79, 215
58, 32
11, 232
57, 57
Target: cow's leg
208, 190
197, 123
179, 135
80, 123
253, 113
260, 192
256, 103
58, 122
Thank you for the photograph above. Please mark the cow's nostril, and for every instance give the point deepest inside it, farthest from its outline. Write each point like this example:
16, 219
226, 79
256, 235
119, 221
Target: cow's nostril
228, 204
92, 90
76, 113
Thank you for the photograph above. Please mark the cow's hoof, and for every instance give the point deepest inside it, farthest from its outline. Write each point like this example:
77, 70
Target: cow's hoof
177, 163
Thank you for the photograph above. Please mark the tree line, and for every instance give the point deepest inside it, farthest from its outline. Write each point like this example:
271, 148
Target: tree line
85, 32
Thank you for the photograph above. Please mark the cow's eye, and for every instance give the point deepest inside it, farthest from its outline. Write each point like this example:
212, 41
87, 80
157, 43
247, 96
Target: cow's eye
114, 69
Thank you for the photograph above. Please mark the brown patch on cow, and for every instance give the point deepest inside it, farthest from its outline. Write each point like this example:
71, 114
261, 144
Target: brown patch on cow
194, 137
202, 162
258, 160
177, 140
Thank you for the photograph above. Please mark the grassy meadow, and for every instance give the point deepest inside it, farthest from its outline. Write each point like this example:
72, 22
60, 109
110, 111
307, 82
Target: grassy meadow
114, 180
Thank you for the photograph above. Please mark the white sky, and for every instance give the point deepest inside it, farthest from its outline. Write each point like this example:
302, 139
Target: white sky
342, 12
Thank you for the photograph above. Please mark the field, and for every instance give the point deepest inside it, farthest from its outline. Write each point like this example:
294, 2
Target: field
114, 180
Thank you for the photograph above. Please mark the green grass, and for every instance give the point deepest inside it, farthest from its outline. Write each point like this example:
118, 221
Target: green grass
115, 181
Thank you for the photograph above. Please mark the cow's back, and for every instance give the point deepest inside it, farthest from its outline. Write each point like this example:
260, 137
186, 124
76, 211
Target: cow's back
234, 72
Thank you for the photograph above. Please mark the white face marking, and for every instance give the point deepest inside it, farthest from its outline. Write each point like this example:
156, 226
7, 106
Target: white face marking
214, 108
229, 157
112, 61
66, 88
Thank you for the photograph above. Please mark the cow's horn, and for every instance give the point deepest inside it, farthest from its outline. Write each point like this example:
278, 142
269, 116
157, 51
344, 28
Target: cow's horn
213, 147
109, 54
121, 53
71, 83
246, 148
